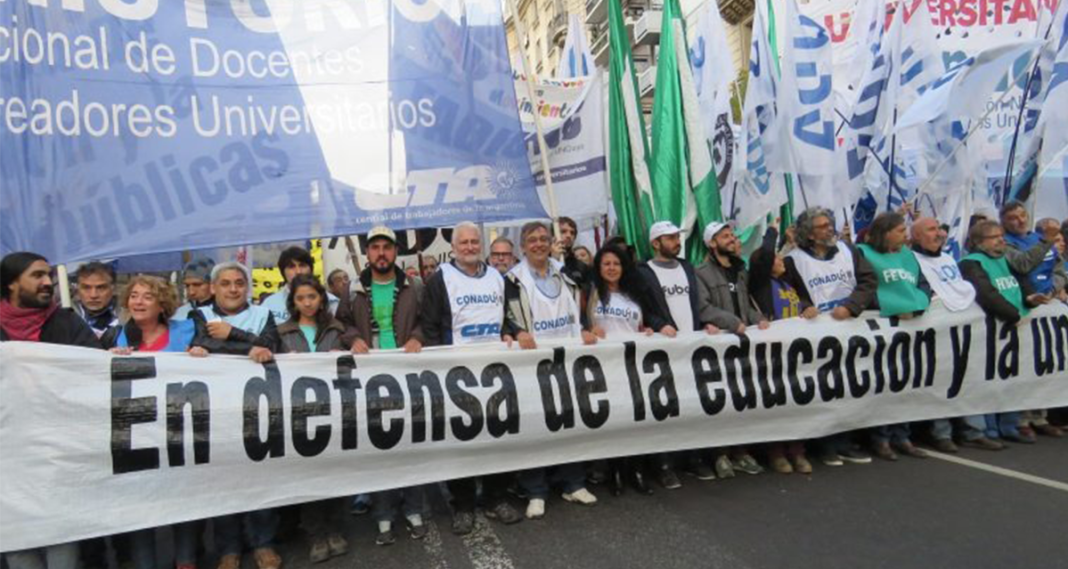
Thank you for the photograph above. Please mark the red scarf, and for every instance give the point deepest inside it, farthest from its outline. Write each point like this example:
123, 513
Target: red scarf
24, 324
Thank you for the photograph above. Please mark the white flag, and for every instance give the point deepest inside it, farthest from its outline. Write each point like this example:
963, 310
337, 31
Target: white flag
714, 73
758, 190
576, 60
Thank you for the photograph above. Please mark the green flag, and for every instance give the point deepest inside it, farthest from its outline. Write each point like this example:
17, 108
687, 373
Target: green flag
684, 180
628, 155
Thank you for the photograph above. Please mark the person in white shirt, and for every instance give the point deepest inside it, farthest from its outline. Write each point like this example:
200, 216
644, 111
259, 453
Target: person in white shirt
543, 303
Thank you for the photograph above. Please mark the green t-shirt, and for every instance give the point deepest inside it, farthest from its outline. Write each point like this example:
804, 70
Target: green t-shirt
382, 298
309, 335
899, 278
1002, 279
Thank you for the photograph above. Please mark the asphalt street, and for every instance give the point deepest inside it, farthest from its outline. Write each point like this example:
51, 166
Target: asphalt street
977, 509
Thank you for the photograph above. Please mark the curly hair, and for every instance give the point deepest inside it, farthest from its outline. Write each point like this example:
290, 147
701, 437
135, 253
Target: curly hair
165, 293
806, 220
628, 281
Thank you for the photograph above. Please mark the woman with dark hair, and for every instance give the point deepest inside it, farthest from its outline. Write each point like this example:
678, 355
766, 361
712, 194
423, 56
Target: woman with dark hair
614, 308
902, 292
312, 328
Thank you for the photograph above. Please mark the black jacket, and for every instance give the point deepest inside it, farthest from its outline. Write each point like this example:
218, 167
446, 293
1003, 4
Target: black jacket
760, 263
239, 342
659, 314
987, 295
65, 328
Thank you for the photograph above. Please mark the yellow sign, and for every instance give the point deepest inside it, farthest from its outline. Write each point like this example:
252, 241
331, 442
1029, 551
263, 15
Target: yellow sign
268, 281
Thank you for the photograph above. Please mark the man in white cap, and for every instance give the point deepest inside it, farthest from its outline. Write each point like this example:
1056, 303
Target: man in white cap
724, 301
723, 283
670, 284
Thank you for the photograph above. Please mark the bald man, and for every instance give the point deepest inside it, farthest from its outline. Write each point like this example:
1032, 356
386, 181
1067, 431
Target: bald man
956, 294
940, 268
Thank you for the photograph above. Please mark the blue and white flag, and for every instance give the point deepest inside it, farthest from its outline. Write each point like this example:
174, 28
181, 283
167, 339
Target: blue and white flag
758, 190
962, 91
576, 60
714, 74
146, 127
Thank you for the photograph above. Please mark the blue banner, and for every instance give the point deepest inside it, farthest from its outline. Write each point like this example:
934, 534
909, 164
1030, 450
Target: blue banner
138, 126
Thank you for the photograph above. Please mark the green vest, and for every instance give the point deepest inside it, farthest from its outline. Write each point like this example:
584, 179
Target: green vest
1002, 279
899, 279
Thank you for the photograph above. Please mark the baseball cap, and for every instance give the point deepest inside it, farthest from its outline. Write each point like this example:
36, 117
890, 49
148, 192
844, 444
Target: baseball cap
712, 229
662, 228
199, 269
381, 231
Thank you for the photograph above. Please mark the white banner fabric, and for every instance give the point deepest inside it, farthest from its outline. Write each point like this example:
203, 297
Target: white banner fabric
96, 444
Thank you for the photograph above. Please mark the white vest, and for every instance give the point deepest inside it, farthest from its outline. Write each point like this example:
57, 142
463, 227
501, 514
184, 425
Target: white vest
677, 294
556, 317
620, 315
828, 282
477, 304
943, 274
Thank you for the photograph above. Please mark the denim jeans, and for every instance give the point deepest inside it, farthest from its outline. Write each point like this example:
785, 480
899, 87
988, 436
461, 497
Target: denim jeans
62, 556
258, 529
386, 504
322, 518
972, 427
143, 545
1008, 424
897, 433
571, 476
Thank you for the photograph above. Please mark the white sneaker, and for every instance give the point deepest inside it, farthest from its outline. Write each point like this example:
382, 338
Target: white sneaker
581, 496
535, 509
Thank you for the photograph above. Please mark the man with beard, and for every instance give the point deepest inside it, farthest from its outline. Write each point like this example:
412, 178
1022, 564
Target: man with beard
28, 314
96, 296
831, 277
670, 285
464, 305
564, 251
502, 255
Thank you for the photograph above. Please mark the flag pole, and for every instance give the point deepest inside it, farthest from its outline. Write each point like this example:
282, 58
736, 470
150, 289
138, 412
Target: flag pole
521, 34
1019, 118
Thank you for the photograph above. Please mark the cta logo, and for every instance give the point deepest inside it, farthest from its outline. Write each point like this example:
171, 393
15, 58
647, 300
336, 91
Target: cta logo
480, 330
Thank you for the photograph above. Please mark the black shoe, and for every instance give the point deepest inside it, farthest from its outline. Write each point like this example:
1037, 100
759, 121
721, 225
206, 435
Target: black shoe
463, 523
504, 512
615, 483
640, 484
597, 476
668, 479
701, 471
417, 532
385, 538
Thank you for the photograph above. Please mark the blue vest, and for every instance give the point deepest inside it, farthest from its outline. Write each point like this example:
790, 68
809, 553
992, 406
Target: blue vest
1042, 277
253, 319
181, 334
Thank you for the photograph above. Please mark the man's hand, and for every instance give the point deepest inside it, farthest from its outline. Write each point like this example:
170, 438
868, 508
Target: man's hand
526, 341
740, 330
260, 355
1062, 296
198, 352
360, 347
219, 329
507, 339
710, 329
588, 338
841, 313
669, 331
599, 332
1037, 299
810, 313
558, 250
763, 325
413, 346
648, 331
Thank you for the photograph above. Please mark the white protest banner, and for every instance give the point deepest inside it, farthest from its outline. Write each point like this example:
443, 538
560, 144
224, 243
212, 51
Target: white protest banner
154, 439
572, 117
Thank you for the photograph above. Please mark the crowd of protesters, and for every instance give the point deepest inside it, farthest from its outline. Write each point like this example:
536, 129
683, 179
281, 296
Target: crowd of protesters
547, 289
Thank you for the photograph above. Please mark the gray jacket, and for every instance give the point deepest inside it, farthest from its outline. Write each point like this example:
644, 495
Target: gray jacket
715, 298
